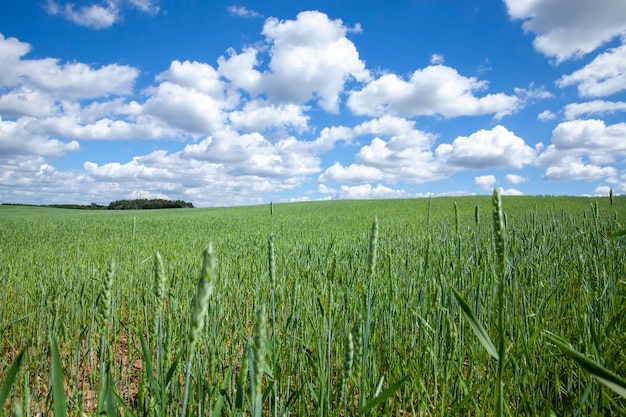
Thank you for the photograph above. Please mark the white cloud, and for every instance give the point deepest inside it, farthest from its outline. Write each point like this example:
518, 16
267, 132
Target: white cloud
599, 107
362, 192
62, 81
99, 15
602, 142
25, 101
253, 154
576, 169
515, 179
495, 148
437, 59
436, 89
144, 127
143, 194
580, 148
185, 108
241, 11
546, 115
387, 126
603, 76
602, 190
146, 6
94, 16
567, 29
196, 174
532, 93
354, 173
405, 156
259, 115
510, 191
239, 69
15, 139
195, 75
486, 182
311, 59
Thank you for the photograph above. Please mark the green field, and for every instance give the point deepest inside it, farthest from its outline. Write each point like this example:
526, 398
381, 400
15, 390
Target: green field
313, 311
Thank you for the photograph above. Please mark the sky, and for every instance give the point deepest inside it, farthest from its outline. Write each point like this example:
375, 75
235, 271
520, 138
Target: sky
224, 103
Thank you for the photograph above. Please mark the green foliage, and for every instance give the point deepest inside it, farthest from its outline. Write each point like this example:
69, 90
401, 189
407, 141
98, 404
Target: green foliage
143, 203
351, 317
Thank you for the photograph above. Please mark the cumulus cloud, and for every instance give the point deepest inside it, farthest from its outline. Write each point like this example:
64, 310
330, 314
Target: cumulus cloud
241, 11
98, 15
515, 179
580, 150
253, 154
569, 29
195, 75
602, 190
311, 59
188, 174
25, 101
388, 126
15, 139
603, 76
147, 6
143, 127
437, 59
259, 115
355, 173
510, 191
406, 155
239, 70
576, 169
497, 148
591, 136
362, 192
436, 89
61, 80
486, 182
94, 16
185, 108
597, 107
546, 115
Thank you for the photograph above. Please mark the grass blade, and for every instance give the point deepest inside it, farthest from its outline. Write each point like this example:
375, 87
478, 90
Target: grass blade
618, 234
8, 382
156, 388
219, 405
383, 395
58, 392
476, 326
608, 378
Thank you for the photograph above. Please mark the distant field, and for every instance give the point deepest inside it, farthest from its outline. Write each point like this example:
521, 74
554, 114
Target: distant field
301, 319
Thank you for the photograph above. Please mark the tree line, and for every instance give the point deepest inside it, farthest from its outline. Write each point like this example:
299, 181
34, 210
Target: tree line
136, 204
144, 203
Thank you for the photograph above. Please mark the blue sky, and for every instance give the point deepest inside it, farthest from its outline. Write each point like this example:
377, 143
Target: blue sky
236, 103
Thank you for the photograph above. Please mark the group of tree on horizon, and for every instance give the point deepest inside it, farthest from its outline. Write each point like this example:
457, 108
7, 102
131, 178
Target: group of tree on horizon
136, 204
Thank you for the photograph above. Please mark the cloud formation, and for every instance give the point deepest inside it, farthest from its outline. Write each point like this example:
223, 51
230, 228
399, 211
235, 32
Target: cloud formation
436, 89
311, 59
98, 15
569, 29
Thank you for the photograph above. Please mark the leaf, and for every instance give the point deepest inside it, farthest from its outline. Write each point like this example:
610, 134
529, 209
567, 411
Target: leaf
465, 400
383, 396
618, 234
217, 411
147, 360
608, 378
58, 392
173, 367
476, 326
121, 402
8, 382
